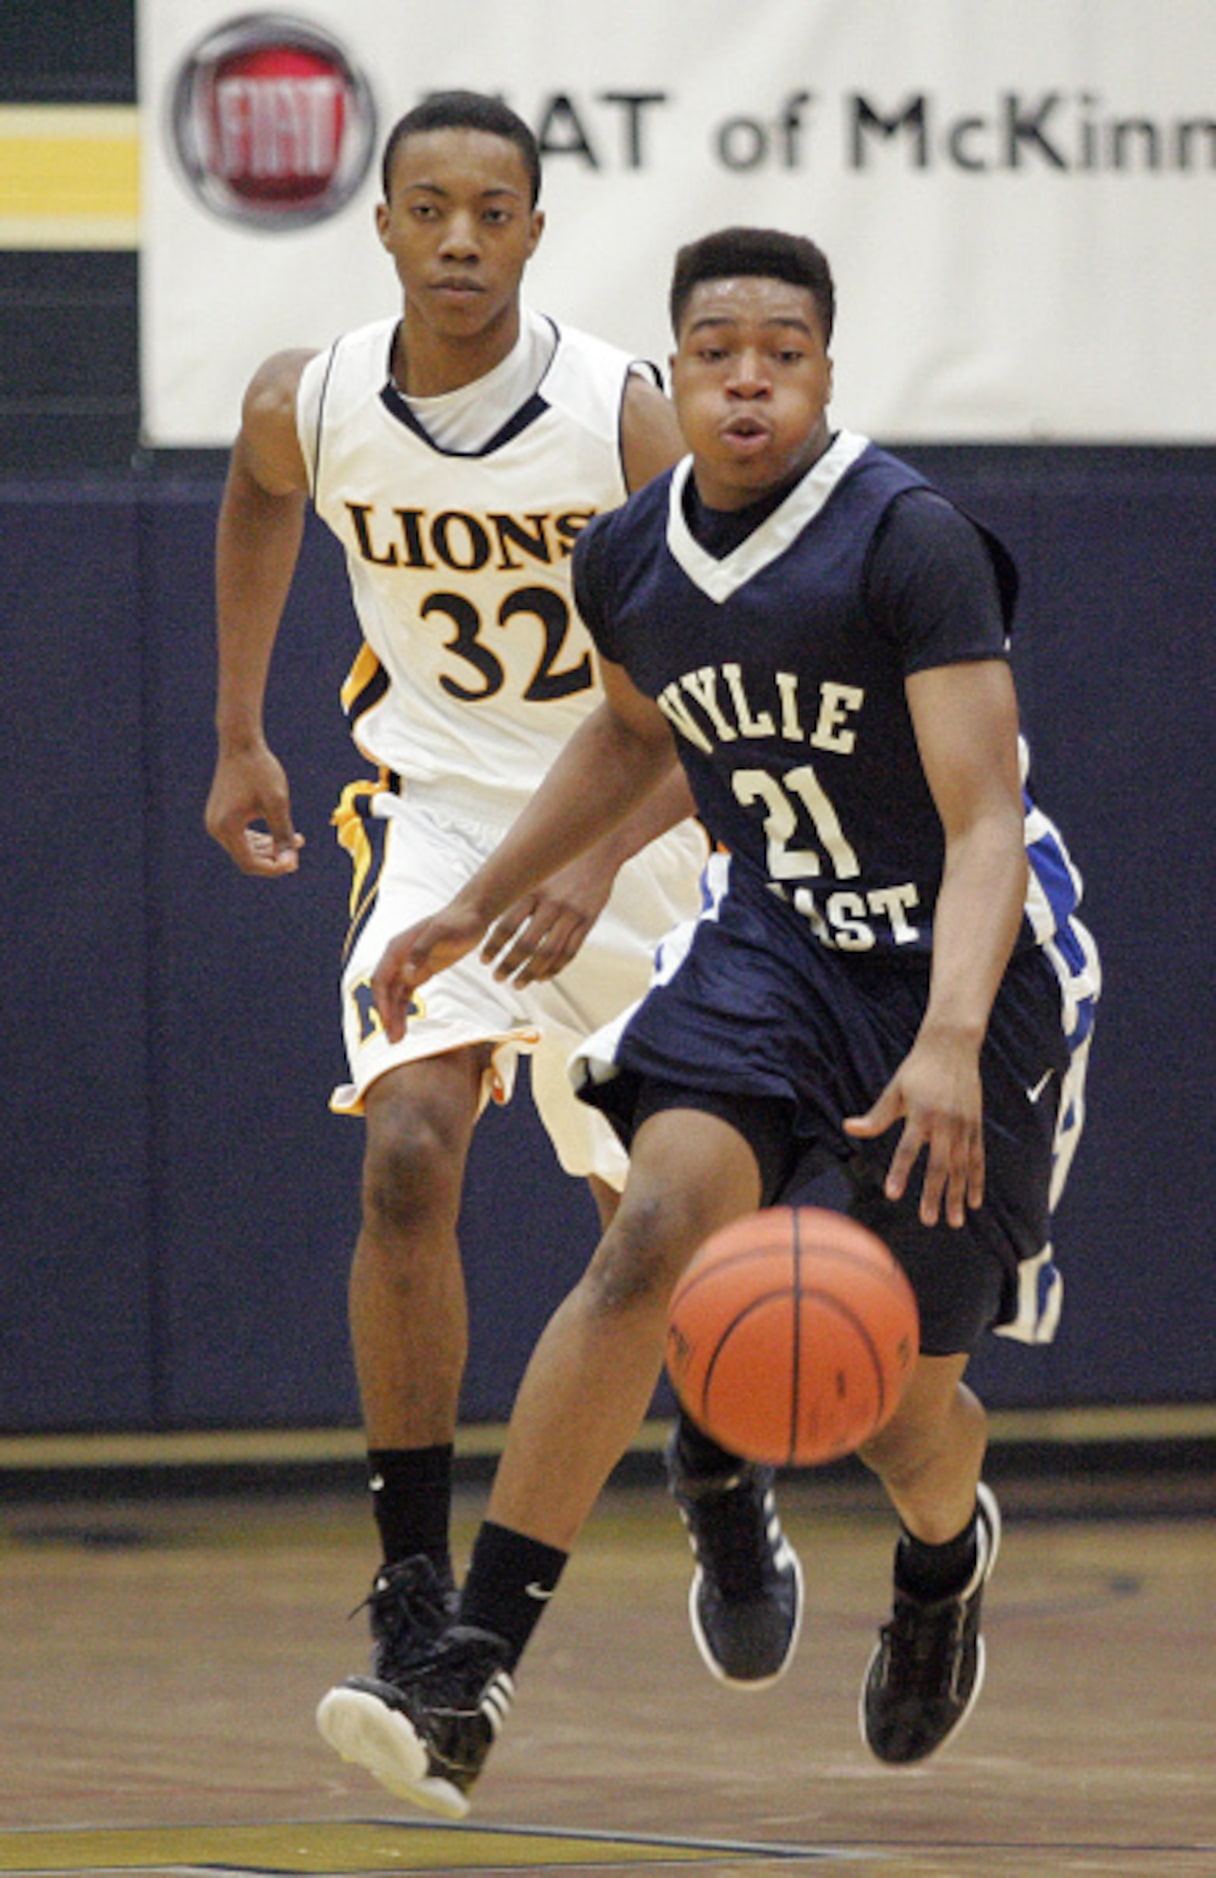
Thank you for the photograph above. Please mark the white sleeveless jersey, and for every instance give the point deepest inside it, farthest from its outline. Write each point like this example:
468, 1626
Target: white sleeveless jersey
475, 667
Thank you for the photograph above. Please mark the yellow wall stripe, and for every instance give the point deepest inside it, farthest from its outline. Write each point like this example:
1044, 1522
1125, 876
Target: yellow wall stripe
69, 176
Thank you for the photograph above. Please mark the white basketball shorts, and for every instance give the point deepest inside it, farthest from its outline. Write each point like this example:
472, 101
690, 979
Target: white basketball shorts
411, 857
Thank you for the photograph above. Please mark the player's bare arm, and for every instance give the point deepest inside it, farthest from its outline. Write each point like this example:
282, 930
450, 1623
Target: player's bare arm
651, 440
538, 936
541, 933
614, 760
258, 538
966, 725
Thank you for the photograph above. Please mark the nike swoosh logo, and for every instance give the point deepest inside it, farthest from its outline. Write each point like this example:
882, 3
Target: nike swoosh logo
1034, 1094
538, 1592
376, 1483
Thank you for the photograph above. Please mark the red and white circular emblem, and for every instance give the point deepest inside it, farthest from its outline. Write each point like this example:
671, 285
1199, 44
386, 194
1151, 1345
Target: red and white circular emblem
272, 122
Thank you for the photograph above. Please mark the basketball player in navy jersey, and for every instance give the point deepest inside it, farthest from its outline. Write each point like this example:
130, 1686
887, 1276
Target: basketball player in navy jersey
455, 448
889, 977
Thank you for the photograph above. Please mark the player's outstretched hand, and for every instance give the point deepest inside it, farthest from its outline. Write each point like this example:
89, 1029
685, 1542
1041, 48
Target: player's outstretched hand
540, 934
417, 954
250, 787
937, 1092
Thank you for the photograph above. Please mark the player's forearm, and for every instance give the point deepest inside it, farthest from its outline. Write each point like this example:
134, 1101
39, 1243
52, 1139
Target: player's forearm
595, 784
978, 917
669, 802
257, 545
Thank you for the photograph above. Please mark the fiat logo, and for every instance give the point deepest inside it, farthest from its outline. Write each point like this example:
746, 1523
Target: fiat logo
273, 124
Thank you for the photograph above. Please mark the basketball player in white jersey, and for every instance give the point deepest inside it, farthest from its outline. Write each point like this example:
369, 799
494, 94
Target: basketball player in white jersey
455, 449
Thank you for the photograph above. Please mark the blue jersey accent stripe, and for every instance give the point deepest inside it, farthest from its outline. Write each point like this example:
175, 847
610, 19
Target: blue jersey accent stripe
1054, 873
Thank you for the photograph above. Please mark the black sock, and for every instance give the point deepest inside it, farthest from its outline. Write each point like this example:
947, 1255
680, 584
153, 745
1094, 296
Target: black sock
412, 1501
511, 1579
930, 1572
697, 1456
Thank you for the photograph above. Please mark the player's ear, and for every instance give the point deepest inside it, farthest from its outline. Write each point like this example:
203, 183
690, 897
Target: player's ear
538, 229
382, 218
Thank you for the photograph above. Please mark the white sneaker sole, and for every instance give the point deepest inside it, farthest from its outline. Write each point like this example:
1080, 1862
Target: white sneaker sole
360, 1728
707, 1656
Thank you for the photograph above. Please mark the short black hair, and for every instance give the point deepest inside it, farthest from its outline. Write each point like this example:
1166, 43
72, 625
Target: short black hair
464, 110
732, 251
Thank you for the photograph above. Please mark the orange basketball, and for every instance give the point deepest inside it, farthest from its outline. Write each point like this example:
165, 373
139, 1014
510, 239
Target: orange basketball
791, 1336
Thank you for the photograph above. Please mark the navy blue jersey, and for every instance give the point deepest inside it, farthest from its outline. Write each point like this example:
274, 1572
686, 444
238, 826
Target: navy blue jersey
781, 665
778, 641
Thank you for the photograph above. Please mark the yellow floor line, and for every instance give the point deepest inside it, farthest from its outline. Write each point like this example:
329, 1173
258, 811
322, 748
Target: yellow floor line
335, 1847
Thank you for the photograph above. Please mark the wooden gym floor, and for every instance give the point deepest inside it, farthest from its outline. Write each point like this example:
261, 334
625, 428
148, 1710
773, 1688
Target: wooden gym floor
161, 1653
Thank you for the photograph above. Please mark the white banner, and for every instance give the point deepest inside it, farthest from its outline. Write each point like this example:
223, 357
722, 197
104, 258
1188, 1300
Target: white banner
1018, 197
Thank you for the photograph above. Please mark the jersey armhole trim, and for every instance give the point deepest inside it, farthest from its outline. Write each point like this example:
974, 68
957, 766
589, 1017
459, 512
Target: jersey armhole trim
314, 467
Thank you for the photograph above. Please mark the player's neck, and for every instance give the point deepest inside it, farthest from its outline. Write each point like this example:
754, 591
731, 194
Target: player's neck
427, 363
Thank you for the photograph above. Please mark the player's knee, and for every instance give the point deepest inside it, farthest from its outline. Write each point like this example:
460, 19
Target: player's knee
641, 1255
412, 1173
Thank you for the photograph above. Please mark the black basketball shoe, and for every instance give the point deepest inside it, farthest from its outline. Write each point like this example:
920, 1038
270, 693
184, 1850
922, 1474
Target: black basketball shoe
927, 1670
745, 1600
426, 1738
409, 1607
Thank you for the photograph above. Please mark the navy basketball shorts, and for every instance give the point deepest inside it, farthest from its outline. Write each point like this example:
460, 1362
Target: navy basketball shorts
763, 1025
